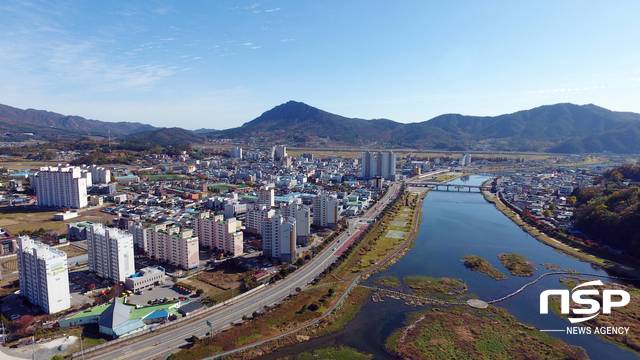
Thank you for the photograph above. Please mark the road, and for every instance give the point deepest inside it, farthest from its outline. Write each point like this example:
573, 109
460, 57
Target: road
161, 343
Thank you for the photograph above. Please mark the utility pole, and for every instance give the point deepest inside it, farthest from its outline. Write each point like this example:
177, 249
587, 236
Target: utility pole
81, 347
33, 347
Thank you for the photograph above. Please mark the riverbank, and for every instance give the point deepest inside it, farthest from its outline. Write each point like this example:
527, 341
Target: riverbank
329, 304
583, 255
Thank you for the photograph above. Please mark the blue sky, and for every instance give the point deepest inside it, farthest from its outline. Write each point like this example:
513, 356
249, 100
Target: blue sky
217, 64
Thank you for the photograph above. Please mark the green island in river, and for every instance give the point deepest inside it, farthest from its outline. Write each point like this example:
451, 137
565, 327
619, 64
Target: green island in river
481, 265
517, 264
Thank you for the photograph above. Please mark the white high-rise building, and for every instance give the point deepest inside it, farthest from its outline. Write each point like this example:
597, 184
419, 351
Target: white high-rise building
110, 252
216, 232
278, 152
60, 187
100, 175
302, 214
44, 275
325, 210
465, 160
170, 243
236, 152
255, 218
266, 196
381, 164
279, 238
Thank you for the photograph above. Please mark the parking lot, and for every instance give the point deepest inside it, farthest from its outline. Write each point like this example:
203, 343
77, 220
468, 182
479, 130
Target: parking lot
158, 292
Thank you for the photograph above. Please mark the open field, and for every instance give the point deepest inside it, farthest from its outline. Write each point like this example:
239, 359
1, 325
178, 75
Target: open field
72, 250
32, 221
26, 164
216, 285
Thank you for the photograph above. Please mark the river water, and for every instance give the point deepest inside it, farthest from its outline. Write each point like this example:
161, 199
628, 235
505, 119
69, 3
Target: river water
454, 225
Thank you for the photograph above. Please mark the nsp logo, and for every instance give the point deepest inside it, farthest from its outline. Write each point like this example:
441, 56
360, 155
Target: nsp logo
590, 307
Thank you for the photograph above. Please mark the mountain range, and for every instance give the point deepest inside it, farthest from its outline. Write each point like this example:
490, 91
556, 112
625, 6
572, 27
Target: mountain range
562, 128
19, 124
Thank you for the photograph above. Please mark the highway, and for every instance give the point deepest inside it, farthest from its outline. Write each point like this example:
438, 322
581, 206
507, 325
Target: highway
163, 342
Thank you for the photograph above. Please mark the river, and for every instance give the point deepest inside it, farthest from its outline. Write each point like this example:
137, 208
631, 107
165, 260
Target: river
455, 225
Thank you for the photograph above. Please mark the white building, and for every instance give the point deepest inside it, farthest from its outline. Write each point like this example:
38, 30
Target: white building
278, 153
256, 217
302, 214
60, 187
325, 210
236, 152
465, 160
378, 164
216, 232
279, 238
44, 275
266, 196
100, 175
145, 278
110, 252
176, 246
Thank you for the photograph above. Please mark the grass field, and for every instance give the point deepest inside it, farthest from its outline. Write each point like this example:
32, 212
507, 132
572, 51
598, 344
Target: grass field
32, 221
72, 250
25, 164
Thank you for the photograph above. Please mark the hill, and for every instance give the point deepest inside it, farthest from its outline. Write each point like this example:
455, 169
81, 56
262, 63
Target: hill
299, 123
610, 212
174, 137
15, 124
558, 128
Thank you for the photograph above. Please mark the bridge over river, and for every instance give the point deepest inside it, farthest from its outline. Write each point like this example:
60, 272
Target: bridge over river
437, 186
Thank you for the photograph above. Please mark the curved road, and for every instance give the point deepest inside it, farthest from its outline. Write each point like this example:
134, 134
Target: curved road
161, 343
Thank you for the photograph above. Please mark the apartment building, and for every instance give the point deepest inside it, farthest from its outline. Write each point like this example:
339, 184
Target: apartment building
61, 187
279, 238
44, 275
216, 232
110, 252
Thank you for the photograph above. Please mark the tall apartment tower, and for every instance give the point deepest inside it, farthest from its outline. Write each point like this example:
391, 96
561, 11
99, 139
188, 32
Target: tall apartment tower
236, 152
302, 214
266, 196
256, 216
278, 152
110, 252
325, 210
44, 275
219, 233
172, 244
378, 164
60, 187
100, 175
279, 238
